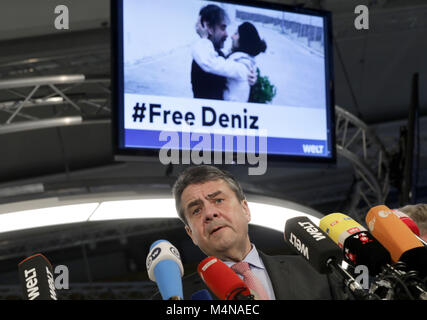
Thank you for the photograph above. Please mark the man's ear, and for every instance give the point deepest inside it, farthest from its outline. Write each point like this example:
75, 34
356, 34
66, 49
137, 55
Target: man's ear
246, 210
190, 234
209, 29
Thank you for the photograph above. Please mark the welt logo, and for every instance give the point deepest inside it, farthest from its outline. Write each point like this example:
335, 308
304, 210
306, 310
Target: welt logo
313, 148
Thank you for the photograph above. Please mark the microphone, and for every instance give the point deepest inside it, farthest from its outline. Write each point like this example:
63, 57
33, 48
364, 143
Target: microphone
397, 238
164, 267
410, 223
407, 220
319, 250
358, 244
36, 275
201, 295
361, 248
311, 243
223, 281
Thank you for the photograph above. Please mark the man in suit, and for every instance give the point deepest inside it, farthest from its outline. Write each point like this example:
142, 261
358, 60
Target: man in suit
207, 85
215, 212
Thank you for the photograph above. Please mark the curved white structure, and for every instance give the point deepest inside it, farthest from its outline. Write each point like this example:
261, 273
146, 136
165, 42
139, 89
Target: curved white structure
53, 211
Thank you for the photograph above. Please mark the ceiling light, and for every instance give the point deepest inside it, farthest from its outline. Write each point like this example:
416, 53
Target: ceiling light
265, 215
36, 218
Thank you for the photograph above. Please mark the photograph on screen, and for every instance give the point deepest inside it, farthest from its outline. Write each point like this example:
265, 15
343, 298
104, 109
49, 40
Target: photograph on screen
224, 69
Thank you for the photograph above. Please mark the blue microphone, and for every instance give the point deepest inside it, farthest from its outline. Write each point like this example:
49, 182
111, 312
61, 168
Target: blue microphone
201, 295
164, 267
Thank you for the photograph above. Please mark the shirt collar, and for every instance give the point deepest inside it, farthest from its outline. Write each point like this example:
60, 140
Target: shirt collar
252, 258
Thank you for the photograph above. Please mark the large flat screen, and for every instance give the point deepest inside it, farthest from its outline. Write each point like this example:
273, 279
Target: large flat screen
228, 77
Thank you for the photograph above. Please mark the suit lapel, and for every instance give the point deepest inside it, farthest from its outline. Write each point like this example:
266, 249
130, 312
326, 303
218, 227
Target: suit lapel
278, 272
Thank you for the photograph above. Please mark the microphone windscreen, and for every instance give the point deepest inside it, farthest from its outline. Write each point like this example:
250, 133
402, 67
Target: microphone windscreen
363, 249
221, 279
408, 221
339, 226
201, 295
358, 244
164, 266
393, 234
311, 243
416, 259
36, 276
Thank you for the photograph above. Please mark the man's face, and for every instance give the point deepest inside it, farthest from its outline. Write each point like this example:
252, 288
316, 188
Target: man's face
217, 220
218, 34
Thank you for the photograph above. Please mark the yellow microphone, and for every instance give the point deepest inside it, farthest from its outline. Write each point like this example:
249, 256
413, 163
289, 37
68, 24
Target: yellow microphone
339, 227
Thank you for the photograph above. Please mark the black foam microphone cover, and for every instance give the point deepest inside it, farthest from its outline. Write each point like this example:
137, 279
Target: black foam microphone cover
362, 248
312, 243
416, 259
36, 275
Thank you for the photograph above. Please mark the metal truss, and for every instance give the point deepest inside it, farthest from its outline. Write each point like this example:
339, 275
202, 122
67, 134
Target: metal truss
371, 163
52, 101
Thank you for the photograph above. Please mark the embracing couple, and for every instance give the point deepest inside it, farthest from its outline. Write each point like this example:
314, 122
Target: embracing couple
214, 75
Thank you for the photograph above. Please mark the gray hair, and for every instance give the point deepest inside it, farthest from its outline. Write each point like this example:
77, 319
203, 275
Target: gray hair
199, 175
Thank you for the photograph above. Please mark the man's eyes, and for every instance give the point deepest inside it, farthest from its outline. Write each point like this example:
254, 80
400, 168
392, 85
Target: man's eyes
199, 209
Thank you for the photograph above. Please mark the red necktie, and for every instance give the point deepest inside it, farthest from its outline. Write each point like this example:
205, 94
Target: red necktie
250, 279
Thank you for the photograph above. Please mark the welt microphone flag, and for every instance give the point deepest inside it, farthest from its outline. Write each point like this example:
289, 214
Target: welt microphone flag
312, 243
36, 276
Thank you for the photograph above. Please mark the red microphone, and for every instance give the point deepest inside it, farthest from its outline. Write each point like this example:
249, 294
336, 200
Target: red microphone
223, 281
408, 221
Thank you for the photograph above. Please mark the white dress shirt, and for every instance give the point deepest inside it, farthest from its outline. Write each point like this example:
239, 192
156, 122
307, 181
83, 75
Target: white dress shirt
257, 267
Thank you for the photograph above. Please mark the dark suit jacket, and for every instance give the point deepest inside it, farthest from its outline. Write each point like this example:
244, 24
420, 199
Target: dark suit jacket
207, 85
291, 276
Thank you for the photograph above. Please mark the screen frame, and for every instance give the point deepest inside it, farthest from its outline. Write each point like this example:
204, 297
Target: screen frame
152, 155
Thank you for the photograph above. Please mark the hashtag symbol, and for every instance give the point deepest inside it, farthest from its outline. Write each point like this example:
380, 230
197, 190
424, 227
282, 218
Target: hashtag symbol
138, 112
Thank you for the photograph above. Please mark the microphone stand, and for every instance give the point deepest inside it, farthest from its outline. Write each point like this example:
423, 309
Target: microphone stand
351, 283
394, 275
